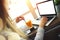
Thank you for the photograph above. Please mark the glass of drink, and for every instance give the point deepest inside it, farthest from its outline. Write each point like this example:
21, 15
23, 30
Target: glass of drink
29, 23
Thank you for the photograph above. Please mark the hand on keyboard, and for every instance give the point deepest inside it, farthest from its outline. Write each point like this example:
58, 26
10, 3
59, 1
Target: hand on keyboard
43, 21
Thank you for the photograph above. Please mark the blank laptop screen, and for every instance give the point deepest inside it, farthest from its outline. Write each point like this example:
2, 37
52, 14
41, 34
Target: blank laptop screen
46, 8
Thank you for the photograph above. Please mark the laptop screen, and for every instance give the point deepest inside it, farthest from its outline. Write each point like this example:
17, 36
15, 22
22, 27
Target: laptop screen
46, 8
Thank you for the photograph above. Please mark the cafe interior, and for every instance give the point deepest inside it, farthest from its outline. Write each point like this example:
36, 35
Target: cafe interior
24, 17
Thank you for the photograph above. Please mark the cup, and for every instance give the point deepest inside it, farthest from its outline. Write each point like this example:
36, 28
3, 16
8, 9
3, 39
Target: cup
29, 23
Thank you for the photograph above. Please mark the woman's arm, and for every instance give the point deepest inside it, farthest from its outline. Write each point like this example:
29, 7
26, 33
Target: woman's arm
40, 31
40, 34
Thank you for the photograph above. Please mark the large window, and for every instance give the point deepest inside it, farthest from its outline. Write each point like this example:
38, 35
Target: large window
20, 7
17, 8
27, 8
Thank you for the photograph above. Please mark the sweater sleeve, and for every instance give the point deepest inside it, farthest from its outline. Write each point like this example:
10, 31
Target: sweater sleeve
40, 34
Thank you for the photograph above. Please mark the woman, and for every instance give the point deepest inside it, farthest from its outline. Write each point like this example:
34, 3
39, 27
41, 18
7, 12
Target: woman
13, 35
3, 15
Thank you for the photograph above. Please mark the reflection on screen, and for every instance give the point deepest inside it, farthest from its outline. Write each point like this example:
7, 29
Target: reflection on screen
46, 8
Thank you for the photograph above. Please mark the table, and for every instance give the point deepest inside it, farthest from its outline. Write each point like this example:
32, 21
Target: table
52, 25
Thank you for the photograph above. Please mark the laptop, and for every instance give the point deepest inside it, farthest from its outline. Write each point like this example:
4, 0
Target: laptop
47, 8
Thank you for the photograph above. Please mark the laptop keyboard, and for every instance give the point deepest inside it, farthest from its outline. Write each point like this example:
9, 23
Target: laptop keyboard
49, 18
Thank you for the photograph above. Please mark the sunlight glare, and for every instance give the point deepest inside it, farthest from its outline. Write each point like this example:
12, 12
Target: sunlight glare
17, 7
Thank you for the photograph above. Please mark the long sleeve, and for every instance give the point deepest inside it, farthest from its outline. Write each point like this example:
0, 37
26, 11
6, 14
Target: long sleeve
40, 34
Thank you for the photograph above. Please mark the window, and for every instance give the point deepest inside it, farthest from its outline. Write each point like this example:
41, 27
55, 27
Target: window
29, 17
17, 8
20, 7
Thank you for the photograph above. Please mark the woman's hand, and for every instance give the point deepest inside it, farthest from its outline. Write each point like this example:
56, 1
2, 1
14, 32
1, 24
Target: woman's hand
43, 21
19, 19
